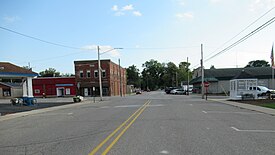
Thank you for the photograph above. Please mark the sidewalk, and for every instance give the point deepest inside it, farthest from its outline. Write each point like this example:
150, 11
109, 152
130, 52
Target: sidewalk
247, 106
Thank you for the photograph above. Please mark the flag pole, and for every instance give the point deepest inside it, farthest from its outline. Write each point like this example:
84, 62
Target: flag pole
272, 66
272, 77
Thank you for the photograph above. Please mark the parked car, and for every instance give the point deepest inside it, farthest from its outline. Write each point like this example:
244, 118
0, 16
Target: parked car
261, 90
138, 92
168, 89
178, 91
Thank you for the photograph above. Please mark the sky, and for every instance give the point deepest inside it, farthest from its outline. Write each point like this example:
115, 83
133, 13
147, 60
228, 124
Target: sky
163, 30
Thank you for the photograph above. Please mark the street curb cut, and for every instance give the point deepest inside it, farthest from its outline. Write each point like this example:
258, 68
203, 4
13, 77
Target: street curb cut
248, 106
43, 110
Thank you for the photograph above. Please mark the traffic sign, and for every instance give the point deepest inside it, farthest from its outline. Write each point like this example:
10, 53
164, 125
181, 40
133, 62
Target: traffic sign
206, 84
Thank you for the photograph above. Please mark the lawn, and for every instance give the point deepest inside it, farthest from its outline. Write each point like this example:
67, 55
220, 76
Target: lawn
268, 105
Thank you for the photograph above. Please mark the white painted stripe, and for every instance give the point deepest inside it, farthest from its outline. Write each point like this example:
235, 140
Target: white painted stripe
104, 107
164, 152
131, 106
53, 114
155, 105
235, 128
127, 106
263, 131
232, 112
204, 112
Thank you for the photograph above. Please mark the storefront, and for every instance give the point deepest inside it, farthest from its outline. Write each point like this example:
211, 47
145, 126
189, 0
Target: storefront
54, 86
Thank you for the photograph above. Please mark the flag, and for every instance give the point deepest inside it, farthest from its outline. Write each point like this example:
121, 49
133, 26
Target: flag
272, 57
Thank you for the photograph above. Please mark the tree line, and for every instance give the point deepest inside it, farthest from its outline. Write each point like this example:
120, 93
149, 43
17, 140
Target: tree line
156, 75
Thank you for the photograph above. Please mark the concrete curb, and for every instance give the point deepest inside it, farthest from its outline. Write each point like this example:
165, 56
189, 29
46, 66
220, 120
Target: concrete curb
247, 106
43, 110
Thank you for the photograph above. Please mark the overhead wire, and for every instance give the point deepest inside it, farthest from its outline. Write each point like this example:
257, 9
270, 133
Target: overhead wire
242, 30
243, 38
41, 40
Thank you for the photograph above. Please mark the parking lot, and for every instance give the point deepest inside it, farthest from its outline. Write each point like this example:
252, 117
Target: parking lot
7, 108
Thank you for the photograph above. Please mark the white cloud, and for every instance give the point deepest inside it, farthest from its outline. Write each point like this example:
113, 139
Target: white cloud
89, 47
262, 4
186, 15
137, 13
128, 7
119, 13
215, 1
115, 8
181, 2
125, 10
11, 19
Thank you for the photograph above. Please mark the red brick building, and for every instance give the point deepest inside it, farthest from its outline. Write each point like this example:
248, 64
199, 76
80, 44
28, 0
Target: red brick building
86, 76
54, 86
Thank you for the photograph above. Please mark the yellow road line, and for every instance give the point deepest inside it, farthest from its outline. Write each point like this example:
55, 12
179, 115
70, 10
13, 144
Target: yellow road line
124, 130
116, 130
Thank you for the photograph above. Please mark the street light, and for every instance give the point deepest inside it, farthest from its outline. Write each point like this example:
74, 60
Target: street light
99, 69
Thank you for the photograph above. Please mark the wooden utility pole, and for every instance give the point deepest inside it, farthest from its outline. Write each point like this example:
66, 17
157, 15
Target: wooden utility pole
202, 73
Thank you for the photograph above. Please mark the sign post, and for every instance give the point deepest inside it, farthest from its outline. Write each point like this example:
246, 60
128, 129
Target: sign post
94, 93
206, 85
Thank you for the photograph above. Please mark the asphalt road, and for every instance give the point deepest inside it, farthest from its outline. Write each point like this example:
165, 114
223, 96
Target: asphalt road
151, 123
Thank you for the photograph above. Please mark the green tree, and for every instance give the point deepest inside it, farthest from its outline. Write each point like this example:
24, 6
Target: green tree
258, 63
170, 77
212, 67
183, 71
133, 77
151, 74
51, 72
27, 67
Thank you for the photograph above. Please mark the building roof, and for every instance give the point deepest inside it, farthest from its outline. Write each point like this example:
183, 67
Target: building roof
90, 61
10, 70
236, 73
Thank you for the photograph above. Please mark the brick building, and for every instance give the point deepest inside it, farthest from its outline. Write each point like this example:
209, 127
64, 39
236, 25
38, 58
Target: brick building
86, 76
54, 86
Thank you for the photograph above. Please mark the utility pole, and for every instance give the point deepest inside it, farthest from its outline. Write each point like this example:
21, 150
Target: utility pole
99, 74
202, 73
187, 78
177, 84
120, 88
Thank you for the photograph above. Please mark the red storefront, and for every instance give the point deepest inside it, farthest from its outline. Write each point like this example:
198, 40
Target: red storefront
54, 86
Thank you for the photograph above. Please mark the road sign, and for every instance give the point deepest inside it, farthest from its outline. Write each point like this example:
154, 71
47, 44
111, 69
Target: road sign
206, 84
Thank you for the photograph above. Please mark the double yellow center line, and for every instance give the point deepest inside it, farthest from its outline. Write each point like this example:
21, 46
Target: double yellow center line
122, 128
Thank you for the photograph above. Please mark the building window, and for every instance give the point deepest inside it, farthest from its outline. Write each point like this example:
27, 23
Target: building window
6, 92
95, 73
37, 91
88, 73
103, 73
68, 91
81, 74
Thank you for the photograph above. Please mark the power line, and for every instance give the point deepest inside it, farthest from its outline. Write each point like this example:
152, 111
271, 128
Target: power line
159, 48
51, 58
243, 38
243, 30
41, 40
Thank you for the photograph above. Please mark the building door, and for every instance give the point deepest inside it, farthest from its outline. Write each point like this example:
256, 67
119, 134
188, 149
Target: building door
59, 92
86, 92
